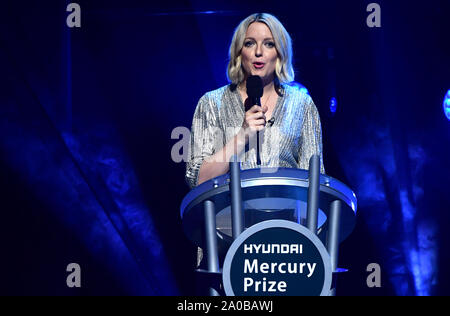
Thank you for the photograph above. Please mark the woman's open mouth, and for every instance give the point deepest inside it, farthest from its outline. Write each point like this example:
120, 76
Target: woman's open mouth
259, 65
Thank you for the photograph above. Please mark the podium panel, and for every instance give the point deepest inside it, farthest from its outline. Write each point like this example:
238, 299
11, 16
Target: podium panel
265, 196
279, 258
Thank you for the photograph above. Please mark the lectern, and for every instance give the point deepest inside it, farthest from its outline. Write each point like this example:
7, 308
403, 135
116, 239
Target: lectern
279, 230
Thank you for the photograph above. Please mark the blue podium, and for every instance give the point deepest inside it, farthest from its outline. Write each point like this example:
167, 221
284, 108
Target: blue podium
216, 213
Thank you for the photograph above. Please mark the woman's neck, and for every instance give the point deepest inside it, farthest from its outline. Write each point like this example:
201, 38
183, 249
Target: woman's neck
269, 87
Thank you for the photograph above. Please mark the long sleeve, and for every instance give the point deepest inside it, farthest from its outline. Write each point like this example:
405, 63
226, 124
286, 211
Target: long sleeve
311, 137
205, 139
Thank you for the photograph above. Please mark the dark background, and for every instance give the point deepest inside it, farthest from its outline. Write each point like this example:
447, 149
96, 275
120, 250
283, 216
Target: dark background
86, 116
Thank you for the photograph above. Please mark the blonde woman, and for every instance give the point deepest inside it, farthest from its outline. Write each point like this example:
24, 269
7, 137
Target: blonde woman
225, 124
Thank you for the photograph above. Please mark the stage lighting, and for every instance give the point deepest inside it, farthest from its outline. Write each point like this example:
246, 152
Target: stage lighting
333, 105
447, 105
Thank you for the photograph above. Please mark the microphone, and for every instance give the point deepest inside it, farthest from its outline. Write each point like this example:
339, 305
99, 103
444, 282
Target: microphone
255, 91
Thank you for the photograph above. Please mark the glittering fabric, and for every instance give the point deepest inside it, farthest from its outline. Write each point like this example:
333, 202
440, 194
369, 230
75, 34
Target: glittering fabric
290, 142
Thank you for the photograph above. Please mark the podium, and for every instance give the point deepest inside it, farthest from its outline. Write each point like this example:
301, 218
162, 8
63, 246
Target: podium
217, 212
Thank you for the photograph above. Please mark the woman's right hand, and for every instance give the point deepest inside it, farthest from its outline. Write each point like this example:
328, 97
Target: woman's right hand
254, 121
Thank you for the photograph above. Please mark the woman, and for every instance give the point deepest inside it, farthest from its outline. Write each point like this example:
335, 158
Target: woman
288, 120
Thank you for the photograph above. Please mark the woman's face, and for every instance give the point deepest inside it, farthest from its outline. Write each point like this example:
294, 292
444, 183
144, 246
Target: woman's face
259, 55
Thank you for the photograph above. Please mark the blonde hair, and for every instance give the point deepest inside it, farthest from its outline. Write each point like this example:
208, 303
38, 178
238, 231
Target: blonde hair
284, 72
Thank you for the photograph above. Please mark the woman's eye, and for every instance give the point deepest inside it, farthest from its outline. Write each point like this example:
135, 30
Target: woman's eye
270, 44
248, 44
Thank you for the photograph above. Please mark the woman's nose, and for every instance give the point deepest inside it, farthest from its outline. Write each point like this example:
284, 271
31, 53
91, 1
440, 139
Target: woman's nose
258, 51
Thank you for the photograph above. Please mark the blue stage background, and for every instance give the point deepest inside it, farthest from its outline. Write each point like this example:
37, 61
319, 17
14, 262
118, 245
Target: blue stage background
86, 117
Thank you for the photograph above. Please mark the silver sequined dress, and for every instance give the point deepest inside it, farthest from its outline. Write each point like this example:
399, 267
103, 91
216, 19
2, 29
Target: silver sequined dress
290, 142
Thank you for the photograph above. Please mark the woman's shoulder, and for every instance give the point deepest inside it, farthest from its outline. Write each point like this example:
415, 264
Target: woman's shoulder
217, 94
215, 99
297, 98
211, 101
296, 92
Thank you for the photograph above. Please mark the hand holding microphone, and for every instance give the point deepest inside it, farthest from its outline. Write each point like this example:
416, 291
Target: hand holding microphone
254, 121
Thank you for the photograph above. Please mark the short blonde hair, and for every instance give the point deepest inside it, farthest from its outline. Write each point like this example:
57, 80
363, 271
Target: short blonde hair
284, 71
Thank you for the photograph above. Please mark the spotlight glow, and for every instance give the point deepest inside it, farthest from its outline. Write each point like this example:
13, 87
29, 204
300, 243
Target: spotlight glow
446, 105
333, 105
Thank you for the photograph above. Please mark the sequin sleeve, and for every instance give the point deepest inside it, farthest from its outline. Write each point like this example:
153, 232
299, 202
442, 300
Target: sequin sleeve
311, 137
203, 140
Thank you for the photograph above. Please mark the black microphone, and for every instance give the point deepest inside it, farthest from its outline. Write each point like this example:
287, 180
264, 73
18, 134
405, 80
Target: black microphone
255, 91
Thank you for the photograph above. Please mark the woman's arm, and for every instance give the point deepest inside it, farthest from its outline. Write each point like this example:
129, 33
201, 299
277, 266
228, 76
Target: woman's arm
219, 163
205, 162
311, 137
